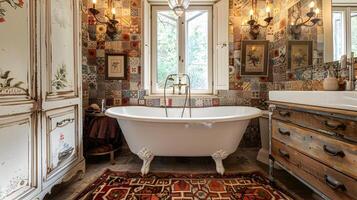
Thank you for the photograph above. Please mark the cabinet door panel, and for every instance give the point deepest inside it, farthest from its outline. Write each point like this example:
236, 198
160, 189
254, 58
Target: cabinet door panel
62, 46
61, 139
17, 156
16, 50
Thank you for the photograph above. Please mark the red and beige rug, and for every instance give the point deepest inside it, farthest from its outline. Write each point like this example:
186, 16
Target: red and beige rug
132, 186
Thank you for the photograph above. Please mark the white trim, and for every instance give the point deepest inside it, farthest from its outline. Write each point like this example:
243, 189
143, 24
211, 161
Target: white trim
345, 3
344, 12
328, 30
221, 45
347, 26
146, 46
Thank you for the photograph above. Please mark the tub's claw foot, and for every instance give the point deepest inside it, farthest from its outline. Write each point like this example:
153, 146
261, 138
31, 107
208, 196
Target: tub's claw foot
218, 157
147, 156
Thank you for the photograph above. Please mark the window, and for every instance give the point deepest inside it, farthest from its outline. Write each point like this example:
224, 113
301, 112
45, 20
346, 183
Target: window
344, 21
182, 45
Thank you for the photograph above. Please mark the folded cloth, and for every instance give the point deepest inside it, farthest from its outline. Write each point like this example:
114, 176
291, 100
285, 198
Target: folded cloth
104, 128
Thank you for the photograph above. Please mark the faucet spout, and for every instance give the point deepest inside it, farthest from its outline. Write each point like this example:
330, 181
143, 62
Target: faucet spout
179, 85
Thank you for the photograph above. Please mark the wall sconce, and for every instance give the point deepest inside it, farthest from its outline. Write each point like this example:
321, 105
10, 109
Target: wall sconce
312, 20
253, 22
110, 23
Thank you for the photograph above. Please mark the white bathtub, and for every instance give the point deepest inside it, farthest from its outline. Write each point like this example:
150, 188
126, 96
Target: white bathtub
213, 131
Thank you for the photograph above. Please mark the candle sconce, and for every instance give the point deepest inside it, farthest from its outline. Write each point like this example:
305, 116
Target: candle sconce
253, 22
111, 23
299, 22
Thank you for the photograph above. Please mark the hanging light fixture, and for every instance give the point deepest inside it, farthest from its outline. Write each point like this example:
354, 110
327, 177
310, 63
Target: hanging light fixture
179, 6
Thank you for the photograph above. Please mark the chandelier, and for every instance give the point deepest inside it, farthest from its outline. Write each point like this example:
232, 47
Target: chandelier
179, 6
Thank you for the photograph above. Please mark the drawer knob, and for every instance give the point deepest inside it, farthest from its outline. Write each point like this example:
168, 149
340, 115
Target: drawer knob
284, 153
334, 184
333, 152
334, 125
284, 113
282, 132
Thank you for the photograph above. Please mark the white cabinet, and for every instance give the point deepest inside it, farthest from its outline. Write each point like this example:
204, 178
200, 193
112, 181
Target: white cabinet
61, 147
40, 96
18, 159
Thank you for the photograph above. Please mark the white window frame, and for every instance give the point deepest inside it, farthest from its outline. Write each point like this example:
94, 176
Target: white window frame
220, 46
346, 10
182, 32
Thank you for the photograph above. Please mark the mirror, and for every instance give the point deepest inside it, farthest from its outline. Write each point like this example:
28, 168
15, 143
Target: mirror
307, 37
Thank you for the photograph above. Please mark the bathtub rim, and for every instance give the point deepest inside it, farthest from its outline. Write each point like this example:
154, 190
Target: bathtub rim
256, 114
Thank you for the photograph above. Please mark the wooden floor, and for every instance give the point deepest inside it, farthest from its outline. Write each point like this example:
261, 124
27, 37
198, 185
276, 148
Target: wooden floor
243, 160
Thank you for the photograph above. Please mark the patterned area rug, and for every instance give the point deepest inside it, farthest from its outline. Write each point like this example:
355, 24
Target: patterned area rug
132, 186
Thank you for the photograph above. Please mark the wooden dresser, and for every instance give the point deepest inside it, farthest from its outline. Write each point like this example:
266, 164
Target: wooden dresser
317, 145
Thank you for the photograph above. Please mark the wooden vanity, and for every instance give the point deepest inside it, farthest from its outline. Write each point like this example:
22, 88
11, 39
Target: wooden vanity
316, 142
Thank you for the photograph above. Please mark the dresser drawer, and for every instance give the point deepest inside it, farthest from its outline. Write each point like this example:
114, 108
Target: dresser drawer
339, 155
328, 181
330, 124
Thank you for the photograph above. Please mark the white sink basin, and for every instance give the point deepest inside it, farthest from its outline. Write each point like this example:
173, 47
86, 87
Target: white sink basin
346, 100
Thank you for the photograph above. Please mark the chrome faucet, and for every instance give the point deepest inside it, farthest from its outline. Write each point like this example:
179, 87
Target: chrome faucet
179, 85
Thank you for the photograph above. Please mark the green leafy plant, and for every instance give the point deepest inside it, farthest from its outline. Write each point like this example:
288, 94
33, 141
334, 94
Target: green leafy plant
60, 81
6, 82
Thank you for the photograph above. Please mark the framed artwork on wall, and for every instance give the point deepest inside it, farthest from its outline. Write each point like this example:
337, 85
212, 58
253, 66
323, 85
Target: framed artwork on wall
255, 58
116, 66
299, 54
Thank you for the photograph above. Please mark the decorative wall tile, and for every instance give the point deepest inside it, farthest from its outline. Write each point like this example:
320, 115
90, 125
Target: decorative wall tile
249, 91
133, 101
199, 102
142, 102
134, 70
117, 101
92, 44
100, 53
141, 94
215, 102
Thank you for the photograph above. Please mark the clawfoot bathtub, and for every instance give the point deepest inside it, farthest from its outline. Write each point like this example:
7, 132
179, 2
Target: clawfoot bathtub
213, 131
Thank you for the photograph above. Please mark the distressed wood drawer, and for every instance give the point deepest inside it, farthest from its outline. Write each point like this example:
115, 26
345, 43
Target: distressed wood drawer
337, 154
328, 181
328, 123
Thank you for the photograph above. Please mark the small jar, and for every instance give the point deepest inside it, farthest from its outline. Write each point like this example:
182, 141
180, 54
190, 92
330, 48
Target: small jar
330, 83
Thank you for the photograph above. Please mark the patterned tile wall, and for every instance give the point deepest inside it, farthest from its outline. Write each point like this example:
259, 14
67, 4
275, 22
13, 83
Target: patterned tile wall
248, 91
285, 12
96, 44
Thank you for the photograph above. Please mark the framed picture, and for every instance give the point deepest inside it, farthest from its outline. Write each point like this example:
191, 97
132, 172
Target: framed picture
116, 66
299, 54
255, 59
